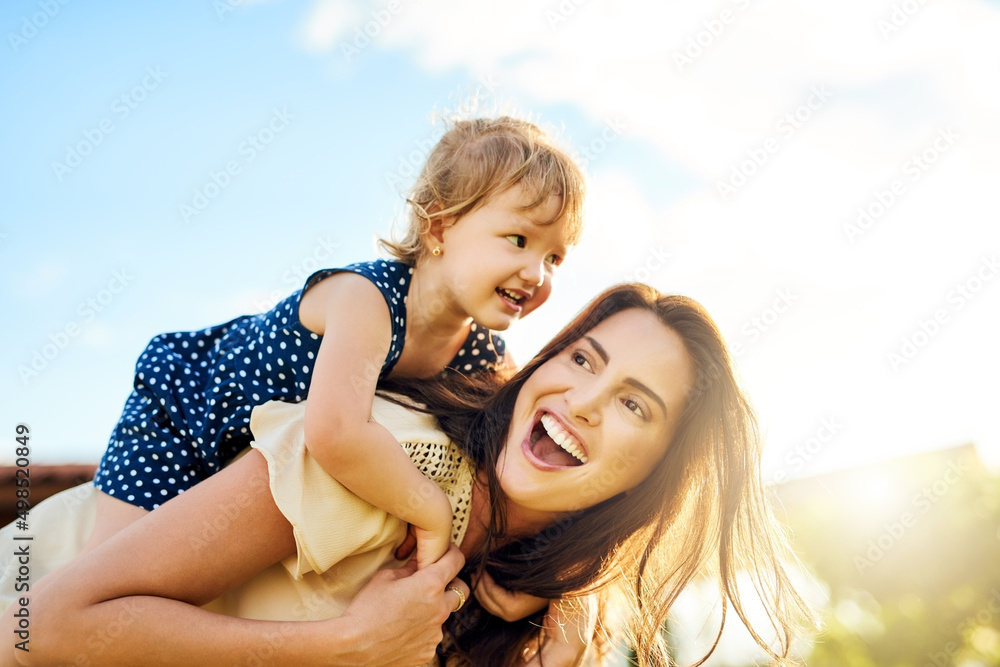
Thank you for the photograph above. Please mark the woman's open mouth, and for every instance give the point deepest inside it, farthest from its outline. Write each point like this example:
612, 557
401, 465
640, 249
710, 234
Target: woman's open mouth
551, 444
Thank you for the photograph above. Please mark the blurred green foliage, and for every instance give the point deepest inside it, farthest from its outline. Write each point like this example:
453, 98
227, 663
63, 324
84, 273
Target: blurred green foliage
910, 551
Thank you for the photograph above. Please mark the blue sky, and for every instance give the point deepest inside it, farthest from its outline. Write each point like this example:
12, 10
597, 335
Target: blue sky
728, 146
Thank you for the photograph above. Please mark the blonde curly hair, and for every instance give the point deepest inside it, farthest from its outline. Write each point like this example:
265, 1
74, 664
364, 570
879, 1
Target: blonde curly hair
479, 158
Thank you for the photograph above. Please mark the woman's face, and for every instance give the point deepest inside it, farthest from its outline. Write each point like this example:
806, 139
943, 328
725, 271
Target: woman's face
593, 421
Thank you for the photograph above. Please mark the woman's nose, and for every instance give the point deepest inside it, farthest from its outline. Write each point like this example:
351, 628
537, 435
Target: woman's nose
584, 402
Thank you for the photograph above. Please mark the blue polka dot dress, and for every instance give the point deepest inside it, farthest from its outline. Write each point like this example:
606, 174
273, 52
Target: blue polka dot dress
189, 411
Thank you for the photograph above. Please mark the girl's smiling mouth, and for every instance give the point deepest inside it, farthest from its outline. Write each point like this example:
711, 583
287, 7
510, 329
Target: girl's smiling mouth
513, 298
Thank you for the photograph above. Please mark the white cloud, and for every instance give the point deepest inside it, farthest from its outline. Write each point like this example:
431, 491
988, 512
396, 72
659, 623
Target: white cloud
759, 68
328, 22
884, 95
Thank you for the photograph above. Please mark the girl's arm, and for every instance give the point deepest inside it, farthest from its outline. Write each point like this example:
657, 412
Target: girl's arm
351, 314
130, 601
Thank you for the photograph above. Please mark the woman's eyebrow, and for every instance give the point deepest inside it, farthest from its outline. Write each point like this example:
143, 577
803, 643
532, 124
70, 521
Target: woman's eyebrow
649, 392
603, 354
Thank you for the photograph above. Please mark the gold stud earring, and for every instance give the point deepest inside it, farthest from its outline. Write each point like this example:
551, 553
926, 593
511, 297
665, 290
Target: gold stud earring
437, 251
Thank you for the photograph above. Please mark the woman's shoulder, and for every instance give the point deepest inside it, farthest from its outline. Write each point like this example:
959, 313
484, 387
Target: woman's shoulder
407, 422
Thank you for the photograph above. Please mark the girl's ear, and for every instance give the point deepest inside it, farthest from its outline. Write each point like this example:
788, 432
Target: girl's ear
435, 233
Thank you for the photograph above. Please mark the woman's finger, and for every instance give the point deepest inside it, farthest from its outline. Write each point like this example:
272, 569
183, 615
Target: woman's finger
457, 592
487, 592
505, 604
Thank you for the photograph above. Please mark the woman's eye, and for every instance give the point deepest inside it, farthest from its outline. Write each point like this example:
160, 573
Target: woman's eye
581, 360
634, 406
517, 240
554, 260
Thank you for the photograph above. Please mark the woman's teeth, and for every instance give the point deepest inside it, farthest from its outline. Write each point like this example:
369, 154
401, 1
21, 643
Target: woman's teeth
562, 438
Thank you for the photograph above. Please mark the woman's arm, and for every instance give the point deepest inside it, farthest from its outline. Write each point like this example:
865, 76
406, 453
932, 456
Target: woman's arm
351, 314
131, 600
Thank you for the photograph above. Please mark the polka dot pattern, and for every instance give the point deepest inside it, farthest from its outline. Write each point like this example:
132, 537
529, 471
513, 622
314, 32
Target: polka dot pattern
189, 411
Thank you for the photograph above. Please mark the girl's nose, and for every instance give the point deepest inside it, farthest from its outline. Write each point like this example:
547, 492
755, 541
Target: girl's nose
533, 273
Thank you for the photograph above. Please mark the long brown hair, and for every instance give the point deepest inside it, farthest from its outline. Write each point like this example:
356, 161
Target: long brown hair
701, 509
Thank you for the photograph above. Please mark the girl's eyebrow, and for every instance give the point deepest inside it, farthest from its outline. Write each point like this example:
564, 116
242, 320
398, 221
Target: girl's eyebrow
603, 354
530, 216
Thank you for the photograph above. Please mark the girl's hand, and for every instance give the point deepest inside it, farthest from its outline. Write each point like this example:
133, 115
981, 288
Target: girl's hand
432, 544
506, 604
567, 631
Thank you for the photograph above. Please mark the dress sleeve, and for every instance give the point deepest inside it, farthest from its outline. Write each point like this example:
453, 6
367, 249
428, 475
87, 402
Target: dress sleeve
393, 280
483, 350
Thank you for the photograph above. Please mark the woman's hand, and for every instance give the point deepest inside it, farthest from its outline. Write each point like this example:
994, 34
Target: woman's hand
398, 615
508, 605
494, 598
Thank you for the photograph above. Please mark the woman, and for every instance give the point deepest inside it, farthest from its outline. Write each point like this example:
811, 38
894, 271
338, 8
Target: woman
623, 456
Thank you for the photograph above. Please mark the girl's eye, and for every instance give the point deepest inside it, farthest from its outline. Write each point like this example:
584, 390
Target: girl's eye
581, 360
634, 406
554, 260
517, 240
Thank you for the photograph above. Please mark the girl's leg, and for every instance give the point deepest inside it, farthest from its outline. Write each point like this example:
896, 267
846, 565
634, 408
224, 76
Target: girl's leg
148, 461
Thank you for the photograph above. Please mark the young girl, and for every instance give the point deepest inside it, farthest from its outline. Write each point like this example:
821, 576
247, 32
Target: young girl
494, 211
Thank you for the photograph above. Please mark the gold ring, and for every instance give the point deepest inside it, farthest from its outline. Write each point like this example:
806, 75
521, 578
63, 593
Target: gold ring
461, 597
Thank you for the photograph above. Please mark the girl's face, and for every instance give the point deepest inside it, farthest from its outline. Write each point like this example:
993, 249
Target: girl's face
593, 421
498, 261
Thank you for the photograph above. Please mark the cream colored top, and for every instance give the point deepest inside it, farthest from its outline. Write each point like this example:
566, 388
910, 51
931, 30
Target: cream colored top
341, 540
329, 522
